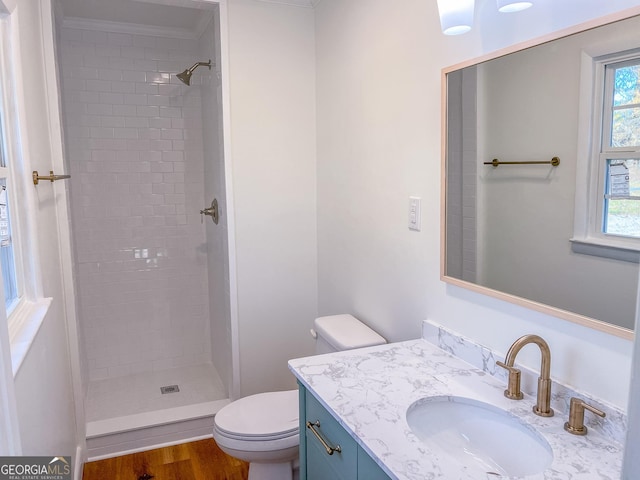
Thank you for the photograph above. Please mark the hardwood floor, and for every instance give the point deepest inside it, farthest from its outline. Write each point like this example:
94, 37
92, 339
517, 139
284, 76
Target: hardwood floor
201, 460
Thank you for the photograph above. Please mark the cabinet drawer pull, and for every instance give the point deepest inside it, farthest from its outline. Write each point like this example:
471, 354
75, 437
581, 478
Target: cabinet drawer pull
330, 450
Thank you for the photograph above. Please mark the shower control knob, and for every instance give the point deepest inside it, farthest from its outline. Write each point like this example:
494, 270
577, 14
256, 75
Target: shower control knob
212, 211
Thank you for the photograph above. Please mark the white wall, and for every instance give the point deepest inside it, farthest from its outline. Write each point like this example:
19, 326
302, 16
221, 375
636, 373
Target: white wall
379, 93
272, 77
44, 393
374, 145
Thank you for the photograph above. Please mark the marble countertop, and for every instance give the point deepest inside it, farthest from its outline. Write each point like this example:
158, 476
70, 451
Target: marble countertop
369, 390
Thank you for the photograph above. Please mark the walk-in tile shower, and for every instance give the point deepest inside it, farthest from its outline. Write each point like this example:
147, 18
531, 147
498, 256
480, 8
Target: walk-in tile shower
145, 155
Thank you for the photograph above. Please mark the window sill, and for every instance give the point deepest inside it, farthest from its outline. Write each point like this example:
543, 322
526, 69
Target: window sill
606, 249
24, 324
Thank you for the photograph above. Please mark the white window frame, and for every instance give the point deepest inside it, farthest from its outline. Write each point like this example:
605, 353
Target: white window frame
11, 152
592, 154
25, 319
9, 429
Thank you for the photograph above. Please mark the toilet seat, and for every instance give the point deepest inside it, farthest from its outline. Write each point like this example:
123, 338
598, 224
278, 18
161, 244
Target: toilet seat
255, 438
261, 417
265, 444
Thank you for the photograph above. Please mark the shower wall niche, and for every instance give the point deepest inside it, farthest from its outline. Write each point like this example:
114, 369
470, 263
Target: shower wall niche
151, 272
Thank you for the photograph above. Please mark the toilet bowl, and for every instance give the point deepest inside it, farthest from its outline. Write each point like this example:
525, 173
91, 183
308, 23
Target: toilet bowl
263, 429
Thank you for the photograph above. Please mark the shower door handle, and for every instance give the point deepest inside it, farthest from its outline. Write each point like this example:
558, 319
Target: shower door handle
212, 211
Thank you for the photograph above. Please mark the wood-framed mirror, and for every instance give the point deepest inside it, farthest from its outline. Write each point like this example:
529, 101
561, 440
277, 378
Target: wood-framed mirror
517, 231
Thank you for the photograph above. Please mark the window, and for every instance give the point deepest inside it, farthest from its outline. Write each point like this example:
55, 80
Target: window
607, 221
620, 149
9, 234
7, 255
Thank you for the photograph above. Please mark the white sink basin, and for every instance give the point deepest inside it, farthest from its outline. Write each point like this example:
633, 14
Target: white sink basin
484, 438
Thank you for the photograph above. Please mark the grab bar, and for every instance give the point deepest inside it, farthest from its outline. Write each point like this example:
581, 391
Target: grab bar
555, 161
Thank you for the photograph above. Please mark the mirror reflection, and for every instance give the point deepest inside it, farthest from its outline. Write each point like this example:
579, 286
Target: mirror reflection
533, 230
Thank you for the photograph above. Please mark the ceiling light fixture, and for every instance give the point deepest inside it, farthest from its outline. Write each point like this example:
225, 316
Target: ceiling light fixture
456, 16
508, 6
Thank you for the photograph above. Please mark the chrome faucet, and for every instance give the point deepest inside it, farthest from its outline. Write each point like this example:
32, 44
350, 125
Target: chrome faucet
543, 403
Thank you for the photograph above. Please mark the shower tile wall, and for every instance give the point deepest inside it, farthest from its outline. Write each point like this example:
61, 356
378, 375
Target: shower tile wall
134, 141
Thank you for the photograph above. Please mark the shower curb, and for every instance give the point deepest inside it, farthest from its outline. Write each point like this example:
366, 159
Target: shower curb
123, 435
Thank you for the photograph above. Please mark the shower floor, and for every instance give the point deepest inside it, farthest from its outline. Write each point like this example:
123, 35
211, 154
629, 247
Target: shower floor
135, 401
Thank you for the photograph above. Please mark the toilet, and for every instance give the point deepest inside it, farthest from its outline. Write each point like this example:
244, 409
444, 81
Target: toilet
263, 429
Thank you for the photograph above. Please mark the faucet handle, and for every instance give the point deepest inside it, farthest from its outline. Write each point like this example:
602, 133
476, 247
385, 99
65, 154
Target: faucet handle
513, 388
576, 425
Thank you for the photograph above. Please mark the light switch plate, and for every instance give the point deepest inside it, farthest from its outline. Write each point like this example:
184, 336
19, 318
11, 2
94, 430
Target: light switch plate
414, 213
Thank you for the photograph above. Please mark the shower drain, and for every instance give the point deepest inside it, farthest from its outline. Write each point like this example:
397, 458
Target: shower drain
169, 389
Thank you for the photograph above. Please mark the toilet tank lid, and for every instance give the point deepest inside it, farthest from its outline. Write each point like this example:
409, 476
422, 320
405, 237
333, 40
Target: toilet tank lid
345, 332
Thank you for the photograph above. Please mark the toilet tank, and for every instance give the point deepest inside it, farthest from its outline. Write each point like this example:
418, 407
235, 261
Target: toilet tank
343, 332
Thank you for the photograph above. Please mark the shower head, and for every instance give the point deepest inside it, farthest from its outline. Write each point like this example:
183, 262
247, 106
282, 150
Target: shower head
185, 77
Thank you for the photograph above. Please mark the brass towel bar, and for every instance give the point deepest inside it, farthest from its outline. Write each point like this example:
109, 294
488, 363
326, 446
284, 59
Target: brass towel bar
555, 161
51, 177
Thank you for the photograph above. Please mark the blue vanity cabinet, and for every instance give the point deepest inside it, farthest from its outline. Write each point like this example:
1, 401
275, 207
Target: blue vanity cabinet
351, 462
368, 469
